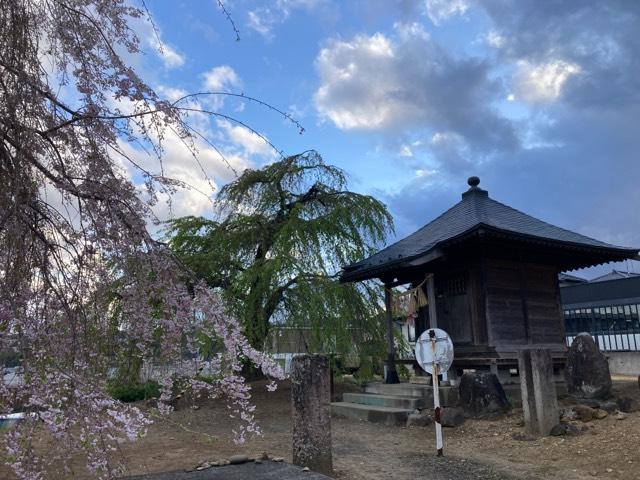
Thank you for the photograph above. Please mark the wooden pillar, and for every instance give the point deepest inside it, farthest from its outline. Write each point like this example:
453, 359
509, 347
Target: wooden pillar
431, 298
392, 373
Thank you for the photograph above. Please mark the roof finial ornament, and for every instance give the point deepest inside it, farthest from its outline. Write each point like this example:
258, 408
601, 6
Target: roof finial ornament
473, 181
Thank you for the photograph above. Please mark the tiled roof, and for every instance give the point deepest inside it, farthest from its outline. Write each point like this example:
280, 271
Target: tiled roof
475, 210
614, 275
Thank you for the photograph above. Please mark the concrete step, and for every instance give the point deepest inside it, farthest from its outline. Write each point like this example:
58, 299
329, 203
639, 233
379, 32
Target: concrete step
390, 416
384, 400
448, 395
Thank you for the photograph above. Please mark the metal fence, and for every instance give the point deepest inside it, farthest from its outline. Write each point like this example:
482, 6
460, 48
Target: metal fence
614, 328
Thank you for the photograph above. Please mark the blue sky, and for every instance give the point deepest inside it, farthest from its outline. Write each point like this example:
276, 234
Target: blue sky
410, 97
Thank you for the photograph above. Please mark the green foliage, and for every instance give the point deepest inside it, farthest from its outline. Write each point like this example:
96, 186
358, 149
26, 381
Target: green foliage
282, 235
133, 392
10, 358
403, 372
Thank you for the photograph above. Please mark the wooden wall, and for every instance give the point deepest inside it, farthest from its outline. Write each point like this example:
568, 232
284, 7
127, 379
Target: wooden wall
523, 304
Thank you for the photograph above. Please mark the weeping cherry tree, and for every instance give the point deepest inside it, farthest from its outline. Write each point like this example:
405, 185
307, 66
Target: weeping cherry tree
282, 235
81, 279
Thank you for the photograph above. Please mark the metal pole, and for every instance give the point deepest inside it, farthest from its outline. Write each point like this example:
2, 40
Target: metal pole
436, 396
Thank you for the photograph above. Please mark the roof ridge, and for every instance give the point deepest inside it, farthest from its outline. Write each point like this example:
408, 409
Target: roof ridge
353, 265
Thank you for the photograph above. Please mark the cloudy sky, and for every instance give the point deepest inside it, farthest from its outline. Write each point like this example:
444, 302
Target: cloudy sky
539, 98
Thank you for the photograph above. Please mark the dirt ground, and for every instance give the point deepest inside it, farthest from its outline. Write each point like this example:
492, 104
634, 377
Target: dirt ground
479, 449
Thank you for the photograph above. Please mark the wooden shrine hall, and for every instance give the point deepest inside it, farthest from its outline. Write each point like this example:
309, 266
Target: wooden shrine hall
491, 279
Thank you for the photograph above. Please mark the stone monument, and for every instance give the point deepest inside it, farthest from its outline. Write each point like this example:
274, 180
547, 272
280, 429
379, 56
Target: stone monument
311, 413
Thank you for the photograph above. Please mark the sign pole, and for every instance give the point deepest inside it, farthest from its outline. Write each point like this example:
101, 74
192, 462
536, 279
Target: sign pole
434, 353
436, 396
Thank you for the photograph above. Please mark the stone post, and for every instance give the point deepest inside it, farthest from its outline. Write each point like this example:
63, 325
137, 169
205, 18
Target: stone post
311, 413
539, 399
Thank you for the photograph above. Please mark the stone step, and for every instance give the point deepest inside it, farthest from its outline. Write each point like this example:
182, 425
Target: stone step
390, 416
448, 395
384, 400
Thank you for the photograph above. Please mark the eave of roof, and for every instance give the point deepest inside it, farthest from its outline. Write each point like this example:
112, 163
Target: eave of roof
478, 215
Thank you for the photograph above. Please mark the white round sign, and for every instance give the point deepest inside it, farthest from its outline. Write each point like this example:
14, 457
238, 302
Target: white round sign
434, 344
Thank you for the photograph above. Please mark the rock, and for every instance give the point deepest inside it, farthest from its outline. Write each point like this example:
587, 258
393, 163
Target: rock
572, 430
586, 414
306, 469
278, 459
419, 420
237, 459
565, 429
620, 416
627, 404
482, 395
587, 369
523, 437
589, 402
609, 406
451, 416
600, 414
568, 414
203, 466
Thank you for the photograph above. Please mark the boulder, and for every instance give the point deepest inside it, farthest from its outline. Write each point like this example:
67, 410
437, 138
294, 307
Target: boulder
587, 369
627, 404
609, 406
451, 416
565, 429
237, 459
568, 414
585, 413
482, 395
600, 414
419, 419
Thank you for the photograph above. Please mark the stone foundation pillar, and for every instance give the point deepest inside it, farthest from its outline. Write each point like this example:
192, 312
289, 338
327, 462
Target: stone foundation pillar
539, 399
311, 413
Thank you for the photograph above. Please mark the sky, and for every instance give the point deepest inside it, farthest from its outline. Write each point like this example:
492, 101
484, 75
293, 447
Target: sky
538, 98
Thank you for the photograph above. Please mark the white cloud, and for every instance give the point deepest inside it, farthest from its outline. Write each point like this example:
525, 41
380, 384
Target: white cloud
405, 151
170, 57
424, 172
171, 93
439, 10
494, 39
408, 83
221, 79
357, 81
264, 19
200, 166
539, 83
249, 142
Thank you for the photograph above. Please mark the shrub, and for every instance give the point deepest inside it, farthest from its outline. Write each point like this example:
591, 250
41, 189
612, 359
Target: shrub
135, 391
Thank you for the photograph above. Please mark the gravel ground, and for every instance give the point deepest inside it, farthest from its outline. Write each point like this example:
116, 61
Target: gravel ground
479, 450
